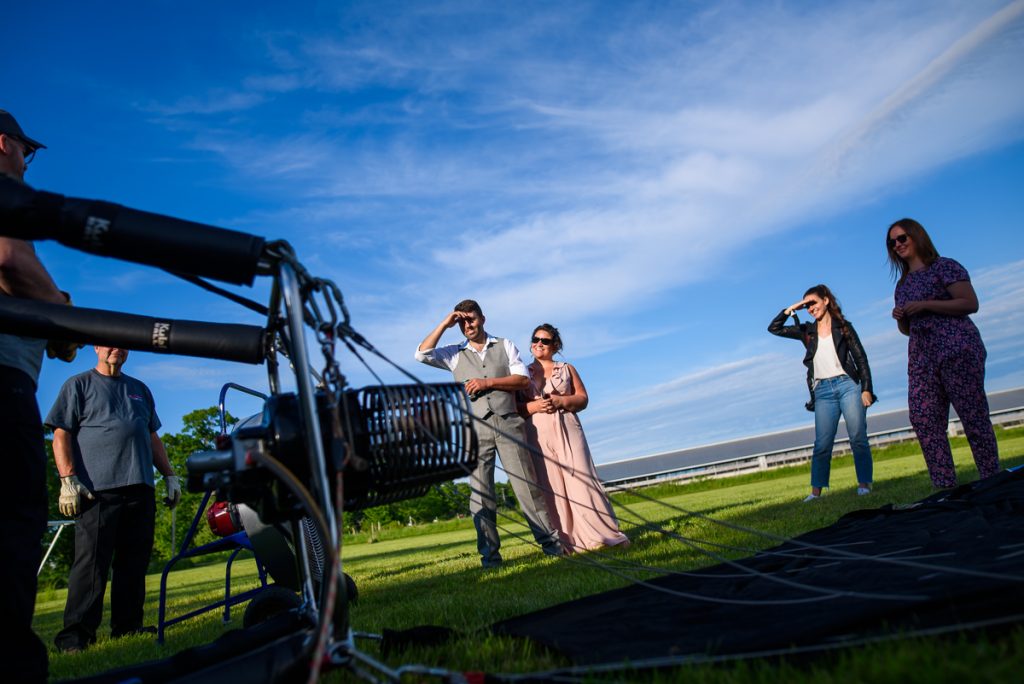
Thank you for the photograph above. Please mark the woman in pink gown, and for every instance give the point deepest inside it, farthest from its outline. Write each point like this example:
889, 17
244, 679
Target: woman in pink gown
580, 509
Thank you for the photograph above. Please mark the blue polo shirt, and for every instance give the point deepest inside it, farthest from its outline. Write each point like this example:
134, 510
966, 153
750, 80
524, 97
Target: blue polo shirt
110, 419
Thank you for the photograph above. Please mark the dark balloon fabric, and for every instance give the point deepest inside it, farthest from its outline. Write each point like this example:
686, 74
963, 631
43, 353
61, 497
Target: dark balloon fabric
977, 527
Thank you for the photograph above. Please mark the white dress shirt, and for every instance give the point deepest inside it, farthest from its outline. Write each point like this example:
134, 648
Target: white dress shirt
447, 357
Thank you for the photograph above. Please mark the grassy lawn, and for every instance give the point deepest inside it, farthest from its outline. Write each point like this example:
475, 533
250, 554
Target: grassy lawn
434, 578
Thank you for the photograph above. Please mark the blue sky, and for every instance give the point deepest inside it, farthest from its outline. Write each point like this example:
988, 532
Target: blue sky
656, 179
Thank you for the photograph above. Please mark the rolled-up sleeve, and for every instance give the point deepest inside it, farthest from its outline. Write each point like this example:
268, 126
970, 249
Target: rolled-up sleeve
515, 362
445, 358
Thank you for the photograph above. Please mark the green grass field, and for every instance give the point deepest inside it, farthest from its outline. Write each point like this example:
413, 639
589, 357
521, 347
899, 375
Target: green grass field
433, 577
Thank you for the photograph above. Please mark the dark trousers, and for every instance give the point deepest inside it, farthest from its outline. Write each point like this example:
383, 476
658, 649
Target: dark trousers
22, 523
114, 531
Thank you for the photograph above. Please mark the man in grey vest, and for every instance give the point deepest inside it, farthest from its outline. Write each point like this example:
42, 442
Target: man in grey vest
492, 371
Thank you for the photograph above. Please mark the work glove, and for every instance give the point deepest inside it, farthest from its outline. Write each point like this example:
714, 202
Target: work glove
71, 491
173, 490
59, 349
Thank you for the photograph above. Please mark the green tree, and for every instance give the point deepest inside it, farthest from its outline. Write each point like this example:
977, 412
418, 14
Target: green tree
442, 502
199, 432
381, 514
506, 496
456, 497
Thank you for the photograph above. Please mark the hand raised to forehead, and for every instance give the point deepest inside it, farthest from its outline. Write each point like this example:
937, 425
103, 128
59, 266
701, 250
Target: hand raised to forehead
454, 317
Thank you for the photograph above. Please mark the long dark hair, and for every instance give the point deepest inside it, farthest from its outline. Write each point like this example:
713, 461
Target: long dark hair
821, 290
553, 331
922, 246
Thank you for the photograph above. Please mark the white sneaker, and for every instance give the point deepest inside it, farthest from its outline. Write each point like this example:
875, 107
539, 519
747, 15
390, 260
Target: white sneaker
863, 491
811, 497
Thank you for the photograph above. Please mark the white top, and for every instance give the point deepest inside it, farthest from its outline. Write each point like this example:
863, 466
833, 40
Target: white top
447, 357
826, 362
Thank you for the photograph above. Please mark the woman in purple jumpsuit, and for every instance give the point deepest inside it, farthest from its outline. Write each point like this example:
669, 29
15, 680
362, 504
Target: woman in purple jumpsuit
934, 297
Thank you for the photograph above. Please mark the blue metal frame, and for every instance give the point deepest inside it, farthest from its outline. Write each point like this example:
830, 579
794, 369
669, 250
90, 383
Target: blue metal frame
235, 543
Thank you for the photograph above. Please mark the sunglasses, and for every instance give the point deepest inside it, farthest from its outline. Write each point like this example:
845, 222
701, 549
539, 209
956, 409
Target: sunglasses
899, 238
28, 151
546, 341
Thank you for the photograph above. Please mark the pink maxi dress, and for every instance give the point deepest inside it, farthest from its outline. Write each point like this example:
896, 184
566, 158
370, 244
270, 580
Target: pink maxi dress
578, 505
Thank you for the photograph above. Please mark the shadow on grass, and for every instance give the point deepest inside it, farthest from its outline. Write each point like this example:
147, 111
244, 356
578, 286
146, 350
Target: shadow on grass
396, 554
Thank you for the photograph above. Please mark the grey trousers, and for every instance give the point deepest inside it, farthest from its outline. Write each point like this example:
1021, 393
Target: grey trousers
518, 464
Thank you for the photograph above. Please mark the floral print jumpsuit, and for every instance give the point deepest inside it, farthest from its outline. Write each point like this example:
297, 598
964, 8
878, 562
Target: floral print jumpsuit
946, 365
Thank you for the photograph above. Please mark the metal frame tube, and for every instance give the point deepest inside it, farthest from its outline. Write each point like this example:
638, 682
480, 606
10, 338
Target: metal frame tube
307, 398
222, 413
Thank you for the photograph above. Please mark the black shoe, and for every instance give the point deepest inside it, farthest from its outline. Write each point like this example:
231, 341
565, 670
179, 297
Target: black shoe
555, 549
73, 640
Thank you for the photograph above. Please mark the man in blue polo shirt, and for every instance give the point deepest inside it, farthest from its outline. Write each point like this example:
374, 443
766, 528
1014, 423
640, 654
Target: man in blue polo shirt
105, 445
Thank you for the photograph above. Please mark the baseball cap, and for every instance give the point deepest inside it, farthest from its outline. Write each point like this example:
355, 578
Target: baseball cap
9, 126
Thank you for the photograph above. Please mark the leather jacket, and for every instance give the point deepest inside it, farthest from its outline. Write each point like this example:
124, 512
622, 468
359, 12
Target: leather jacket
848, 348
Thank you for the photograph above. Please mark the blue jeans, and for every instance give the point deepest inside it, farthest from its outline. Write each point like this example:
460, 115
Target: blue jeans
832, 397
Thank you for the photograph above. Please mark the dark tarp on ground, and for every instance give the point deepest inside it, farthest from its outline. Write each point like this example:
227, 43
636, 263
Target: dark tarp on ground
977, 526
274, 651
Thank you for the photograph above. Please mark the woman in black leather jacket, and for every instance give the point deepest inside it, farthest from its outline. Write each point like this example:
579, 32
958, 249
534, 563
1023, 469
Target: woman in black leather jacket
839, 380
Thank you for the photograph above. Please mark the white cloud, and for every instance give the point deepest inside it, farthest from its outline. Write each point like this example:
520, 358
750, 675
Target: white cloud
123, 281
215, 102
582, 163
659, 178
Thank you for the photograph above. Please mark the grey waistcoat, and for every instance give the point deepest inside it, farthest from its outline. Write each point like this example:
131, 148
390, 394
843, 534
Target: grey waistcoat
494, 365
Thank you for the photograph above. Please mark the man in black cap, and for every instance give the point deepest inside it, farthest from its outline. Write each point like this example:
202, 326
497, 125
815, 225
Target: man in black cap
22, 456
